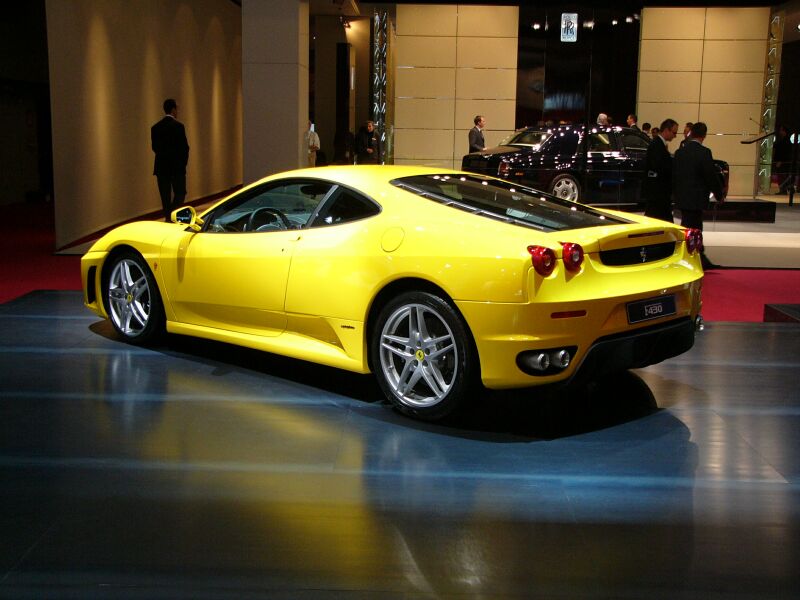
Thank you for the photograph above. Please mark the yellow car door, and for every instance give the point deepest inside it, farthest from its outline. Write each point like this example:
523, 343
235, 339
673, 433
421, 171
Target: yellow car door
231, 281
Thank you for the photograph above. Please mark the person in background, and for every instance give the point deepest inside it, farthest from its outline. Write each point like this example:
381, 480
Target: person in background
654, 131
368, 145
602, 120
658, 185
168, 140
476, 141
687, 131
312, 144
632, 120
646, 128
694, 179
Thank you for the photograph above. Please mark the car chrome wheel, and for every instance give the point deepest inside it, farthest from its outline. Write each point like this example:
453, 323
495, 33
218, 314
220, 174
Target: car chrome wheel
129, 298
132, 299
566, 187
418, 355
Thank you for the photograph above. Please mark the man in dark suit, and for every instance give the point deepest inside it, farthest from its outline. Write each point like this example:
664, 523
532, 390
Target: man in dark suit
476, 143
168, 140
694, 178
658, 185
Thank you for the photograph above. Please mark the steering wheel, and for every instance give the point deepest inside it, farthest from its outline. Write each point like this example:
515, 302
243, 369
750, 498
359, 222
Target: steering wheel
281, 222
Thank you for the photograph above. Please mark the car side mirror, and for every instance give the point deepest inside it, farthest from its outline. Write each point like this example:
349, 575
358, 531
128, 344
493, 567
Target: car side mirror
187, 216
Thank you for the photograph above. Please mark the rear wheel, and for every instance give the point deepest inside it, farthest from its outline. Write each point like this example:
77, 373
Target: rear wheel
133, 301
422, 355
566, 187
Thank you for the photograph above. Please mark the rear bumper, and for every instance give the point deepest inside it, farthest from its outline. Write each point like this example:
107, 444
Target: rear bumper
636, 349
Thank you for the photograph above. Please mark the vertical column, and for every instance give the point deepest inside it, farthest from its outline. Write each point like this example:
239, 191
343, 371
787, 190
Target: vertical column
275, 46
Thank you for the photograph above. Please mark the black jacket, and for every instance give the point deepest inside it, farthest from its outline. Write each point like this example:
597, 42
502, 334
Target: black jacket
168, 140
658, 183
476, 142
694, 176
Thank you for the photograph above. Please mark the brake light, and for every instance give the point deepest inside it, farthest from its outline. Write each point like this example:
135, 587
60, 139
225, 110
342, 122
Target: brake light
694, 240
573, 256
504, 170
543, 259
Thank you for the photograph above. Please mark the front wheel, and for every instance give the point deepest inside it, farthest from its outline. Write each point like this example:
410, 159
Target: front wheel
566, 187
422, 355
133, 301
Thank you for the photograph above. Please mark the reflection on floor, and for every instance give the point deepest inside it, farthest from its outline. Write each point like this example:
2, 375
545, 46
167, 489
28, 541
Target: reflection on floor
197, 470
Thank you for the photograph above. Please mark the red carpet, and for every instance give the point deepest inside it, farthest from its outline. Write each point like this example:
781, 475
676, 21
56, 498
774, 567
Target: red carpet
27, 263
27, 259
740, 294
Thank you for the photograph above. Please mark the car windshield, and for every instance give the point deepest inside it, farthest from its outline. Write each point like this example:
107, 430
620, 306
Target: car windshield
533, 139
506, 201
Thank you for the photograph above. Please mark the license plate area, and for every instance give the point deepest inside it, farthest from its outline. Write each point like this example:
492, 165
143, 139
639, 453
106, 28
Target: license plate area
651, 308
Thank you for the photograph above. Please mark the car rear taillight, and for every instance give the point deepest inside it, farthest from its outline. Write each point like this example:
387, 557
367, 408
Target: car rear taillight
504, 170
543, 259
573, 256
694, 240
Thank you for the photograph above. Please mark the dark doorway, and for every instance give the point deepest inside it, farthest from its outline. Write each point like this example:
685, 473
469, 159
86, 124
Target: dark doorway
573, 81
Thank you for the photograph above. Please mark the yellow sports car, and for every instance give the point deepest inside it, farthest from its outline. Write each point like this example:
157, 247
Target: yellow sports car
436, 281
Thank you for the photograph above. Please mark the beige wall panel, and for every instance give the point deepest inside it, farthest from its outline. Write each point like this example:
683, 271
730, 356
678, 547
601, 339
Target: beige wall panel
737, 23
423, 144
725, 88
499, 114
461, 141
655, 112
673, 23
426, 19
669, 86
495, 84
425, 82
487, 53
671, 55
488, 21
747, 55
731, 118
741, 181
422, 113
729, 149
425, 51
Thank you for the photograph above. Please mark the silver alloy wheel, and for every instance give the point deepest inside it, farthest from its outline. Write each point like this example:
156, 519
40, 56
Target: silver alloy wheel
129, 298
566, 188
418, 354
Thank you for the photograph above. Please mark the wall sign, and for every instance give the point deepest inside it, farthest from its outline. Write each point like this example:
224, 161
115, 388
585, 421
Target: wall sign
569, 27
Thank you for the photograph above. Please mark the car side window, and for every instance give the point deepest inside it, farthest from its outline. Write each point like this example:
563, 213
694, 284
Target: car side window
343, 207
635, 141
600, 142
563, 143
274, 206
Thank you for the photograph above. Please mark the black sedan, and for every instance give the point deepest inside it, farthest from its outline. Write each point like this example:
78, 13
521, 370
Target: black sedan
591, 164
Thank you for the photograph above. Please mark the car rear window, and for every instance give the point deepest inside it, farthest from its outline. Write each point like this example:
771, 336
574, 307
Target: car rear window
505, 201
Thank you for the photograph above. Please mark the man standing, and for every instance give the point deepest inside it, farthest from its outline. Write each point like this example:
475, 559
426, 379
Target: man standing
168, 140
368, 145
312, 143
632, 120
476, 143
694, 178
658, 185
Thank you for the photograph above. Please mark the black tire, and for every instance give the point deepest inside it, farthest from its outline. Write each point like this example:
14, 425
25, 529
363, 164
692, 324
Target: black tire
567, 187
423, 356
132, 300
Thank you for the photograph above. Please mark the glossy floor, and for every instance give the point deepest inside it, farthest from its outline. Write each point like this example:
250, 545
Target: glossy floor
198, 470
